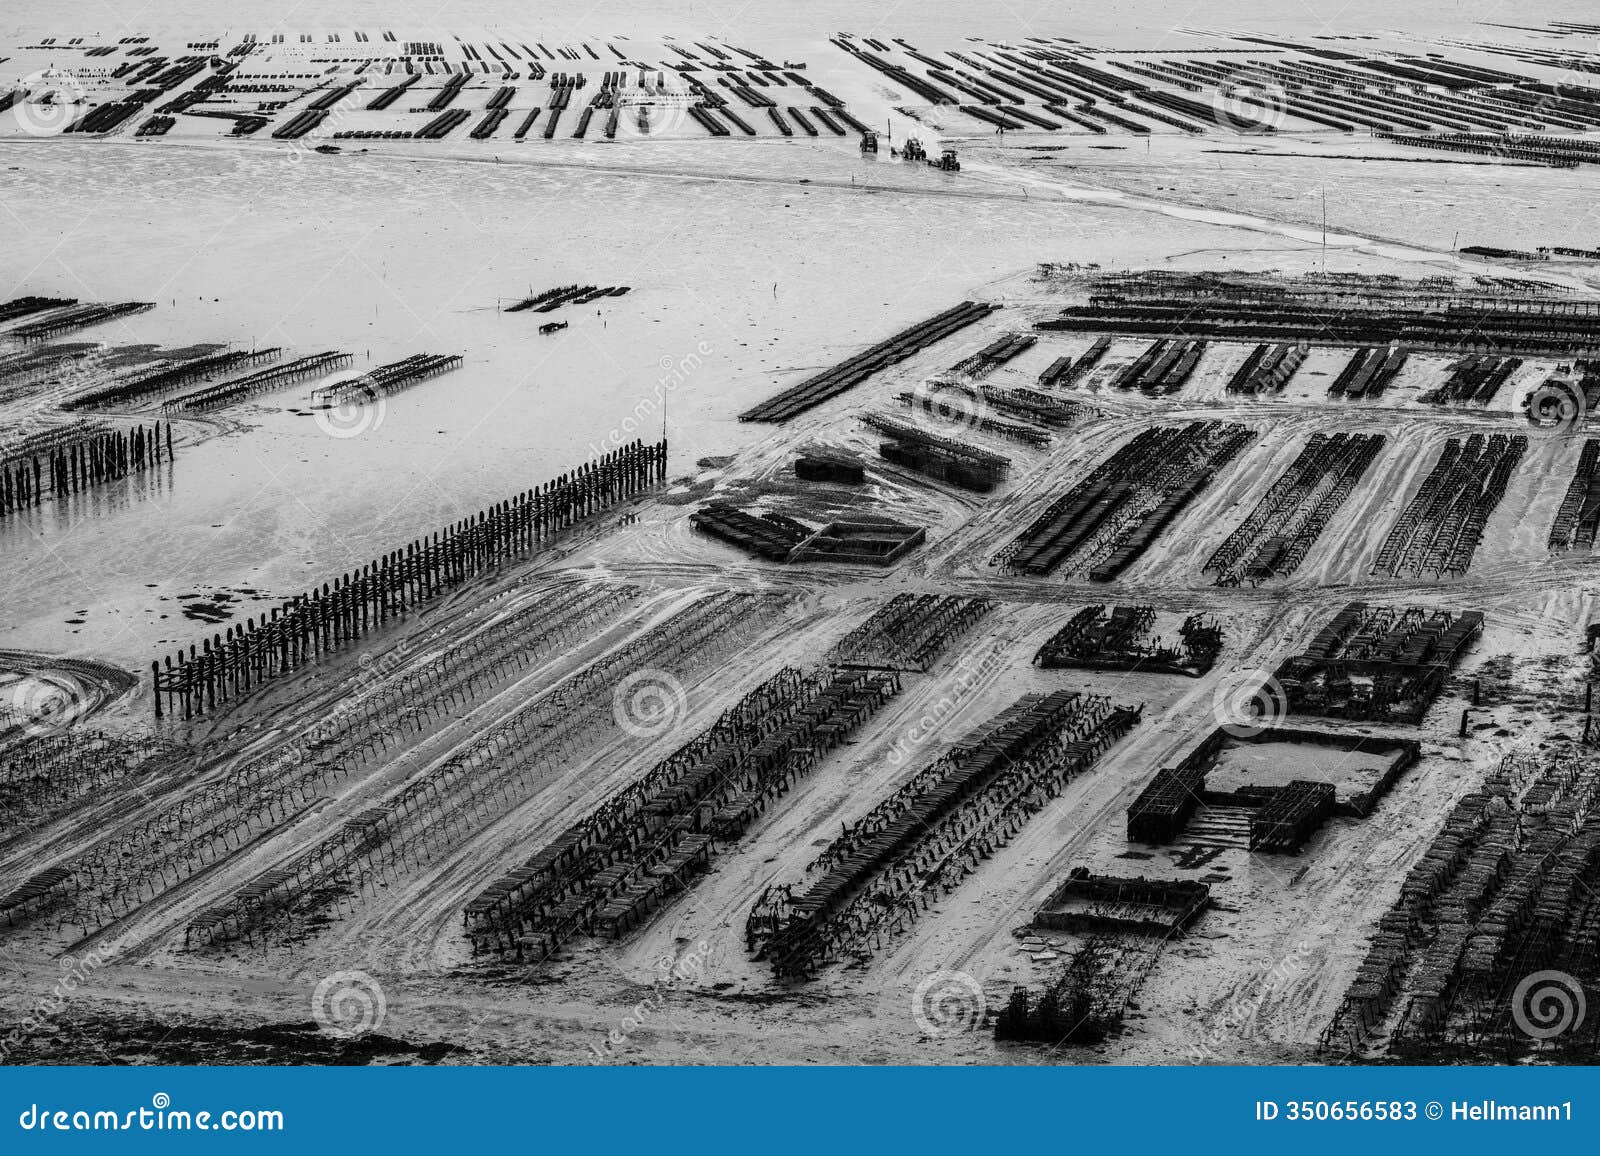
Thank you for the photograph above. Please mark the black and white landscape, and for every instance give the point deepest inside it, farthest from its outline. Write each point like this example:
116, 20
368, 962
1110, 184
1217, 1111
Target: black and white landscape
811, 534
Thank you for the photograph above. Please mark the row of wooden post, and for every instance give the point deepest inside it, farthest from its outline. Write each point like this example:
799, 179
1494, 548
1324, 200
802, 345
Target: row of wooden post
101, 457
362, 600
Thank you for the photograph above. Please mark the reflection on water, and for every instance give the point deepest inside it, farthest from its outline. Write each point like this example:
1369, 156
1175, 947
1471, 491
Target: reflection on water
749, 283
754, 276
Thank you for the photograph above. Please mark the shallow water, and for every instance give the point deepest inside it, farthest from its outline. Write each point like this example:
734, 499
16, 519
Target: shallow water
744, 277
738, 288
1143, 23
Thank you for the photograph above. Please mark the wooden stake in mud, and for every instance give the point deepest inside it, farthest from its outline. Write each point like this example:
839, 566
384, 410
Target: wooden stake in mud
361, 600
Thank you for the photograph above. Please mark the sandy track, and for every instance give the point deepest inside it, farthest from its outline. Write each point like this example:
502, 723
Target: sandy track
408, 934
